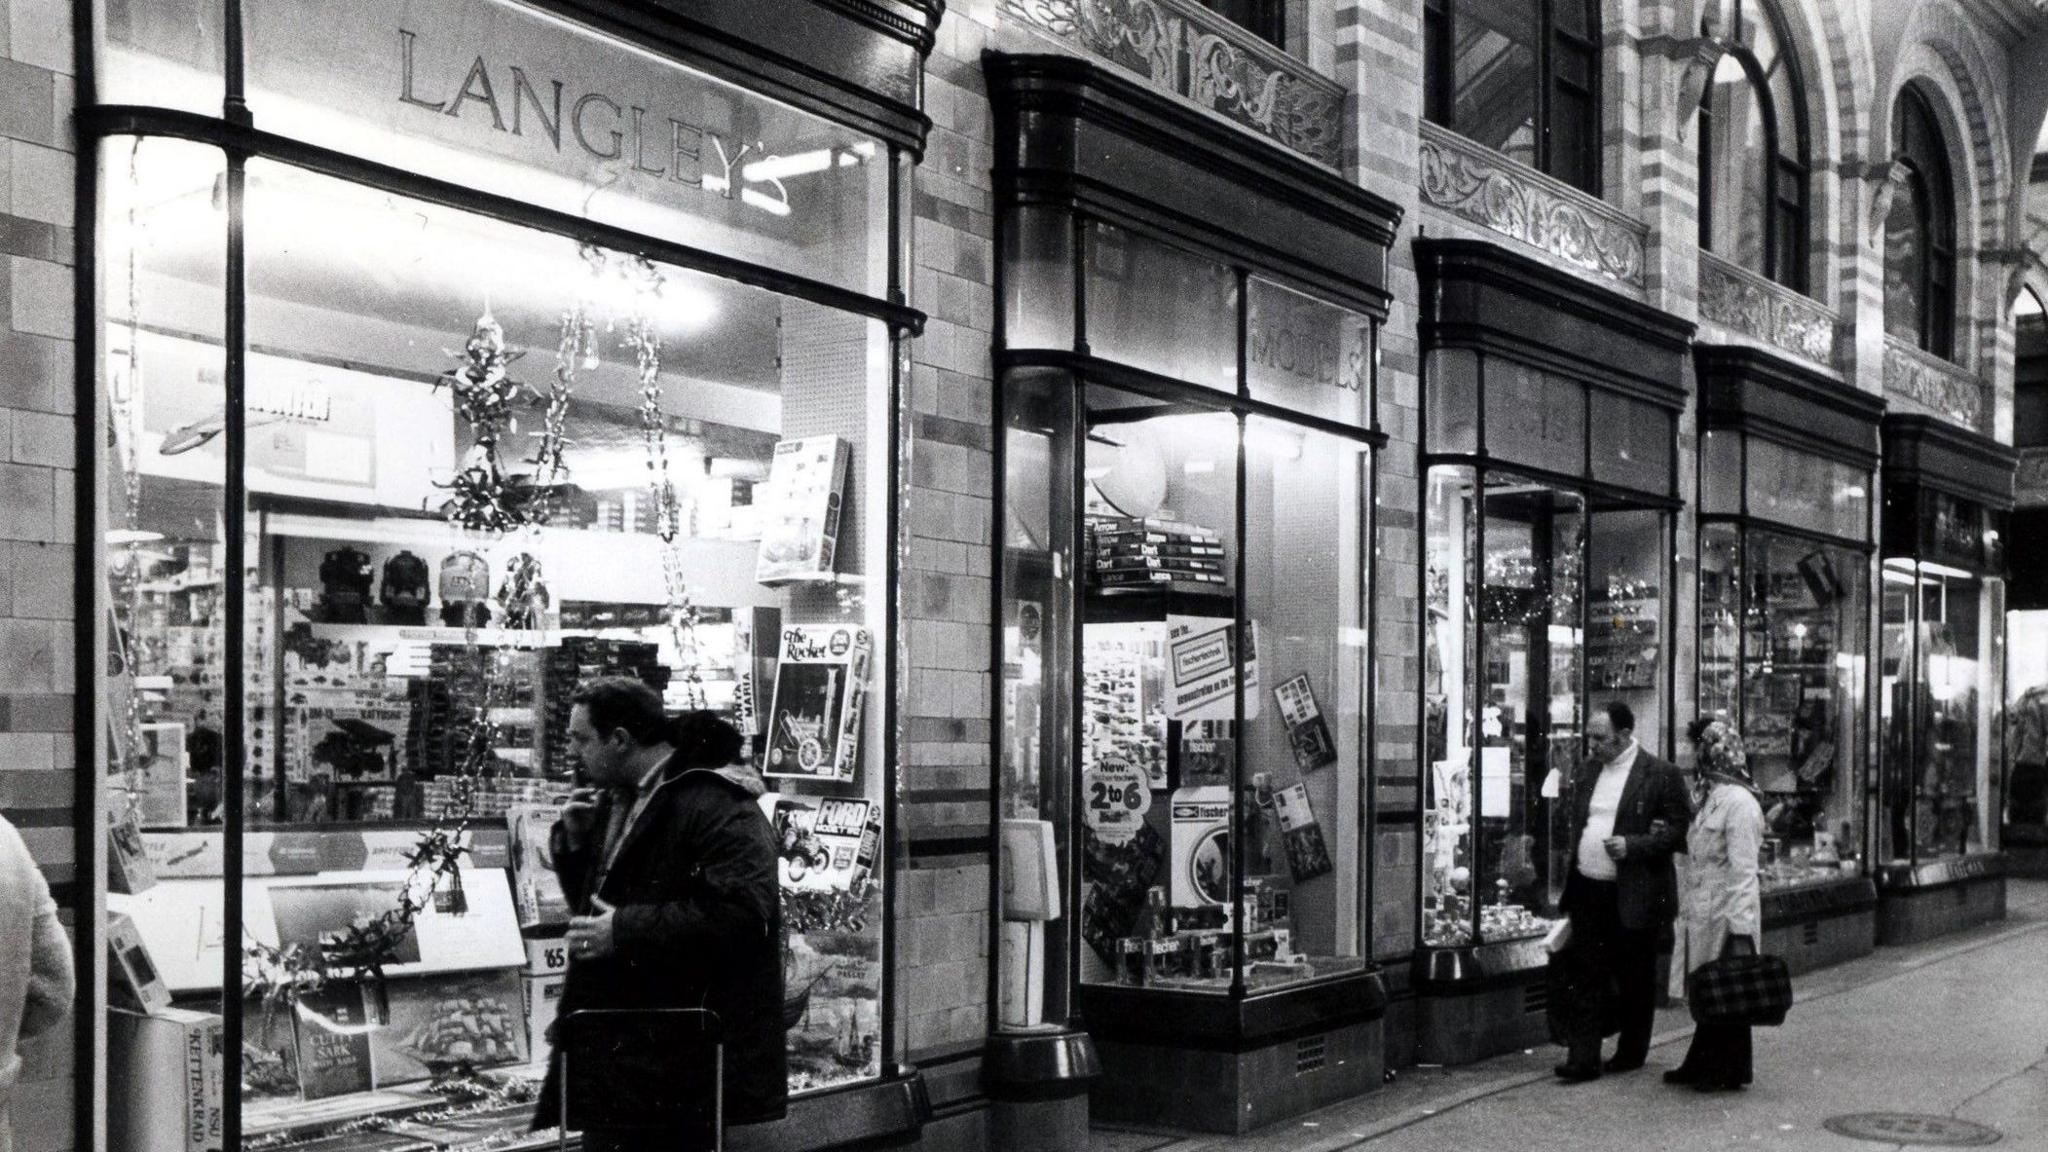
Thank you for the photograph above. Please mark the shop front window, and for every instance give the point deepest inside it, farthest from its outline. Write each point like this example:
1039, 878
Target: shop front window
1542, 604
1546, 569
482, 463
1185, 599
1941, 642
1783, 651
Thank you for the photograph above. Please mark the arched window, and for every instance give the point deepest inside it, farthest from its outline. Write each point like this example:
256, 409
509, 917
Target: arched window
1753, 155
1920, 233
2029, 372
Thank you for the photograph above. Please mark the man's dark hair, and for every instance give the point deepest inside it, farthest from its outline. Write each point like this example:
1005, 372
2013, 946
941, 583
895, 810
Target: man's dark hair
625, 702
1621, 716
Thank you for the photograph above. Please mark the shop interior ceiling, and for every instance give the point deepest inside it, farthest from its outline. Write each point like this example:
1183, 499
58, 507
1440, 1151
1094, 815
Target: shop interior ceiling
357, 274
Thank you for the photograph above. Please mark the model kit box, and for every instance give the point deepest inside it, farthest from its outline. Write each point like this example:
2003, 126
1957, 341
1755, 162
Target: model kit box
164, 1091
1200, 846
135, 983
441, 1022
543, 1000
536, 891
826, 844
801, 508
821, 683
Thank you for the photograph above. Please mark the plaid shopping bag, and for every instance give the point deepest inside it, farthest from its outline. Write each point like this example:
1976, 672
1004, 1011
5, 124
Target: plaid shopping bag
1741, 990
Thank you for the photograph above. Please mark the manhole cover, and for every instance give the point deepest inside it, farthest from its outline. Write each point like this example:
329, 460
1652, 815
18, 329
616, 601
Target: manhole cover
1912, 1128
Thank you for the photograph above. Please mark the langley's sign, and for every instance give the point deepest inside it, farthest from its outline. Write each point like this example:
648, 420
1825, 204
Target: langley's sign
509, 100
649, 145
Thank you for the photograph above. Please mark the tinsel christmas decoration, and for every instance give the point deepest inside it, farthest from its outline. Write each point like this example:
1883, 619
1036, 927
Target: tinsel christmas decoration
483, 498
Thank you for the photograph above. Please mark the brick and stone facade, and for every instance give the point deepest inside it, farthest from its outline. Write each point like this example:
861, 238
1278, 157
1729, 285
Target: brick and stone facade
1984, 66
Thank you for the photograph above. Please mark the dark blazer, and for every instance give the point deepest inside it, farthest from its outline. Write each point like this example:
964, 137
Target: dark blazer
1647, 884
699, 925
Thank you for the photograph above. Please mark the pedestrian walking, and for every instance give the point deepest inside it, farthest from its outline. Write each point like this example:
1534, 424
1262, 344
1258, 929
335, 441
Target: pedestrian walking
1621, 892
36, 981
669, 867
1723, 901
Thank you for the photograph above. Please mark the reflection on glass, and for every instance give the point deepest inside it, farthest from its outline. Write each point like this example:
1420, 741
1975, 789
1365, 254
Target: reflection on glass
1505, 647
1807, 491
1720, 681
163, 695
1308, 356
2026, 727
1453, 392
1450, 663
1938, 646
1625, 618
1738, 146
1535, 418
1038, 279
1168, 771
1155, 307
1721, 472
1495, 77
1532, 604
1037, 696
1802, 705
1306, 533
1631, 445
164, 53
501, 97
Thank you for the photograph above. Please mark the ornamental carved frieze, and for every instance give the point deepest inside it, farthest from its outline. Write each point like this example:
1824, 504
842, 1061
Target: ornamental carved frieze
1741, 301
1934, 384
1183, 48
1488, 189
2030, 484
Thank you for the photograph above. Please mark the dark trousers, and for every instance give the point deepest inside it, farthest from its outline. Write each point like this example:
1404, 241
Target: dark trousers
1614, 975
1720, 1053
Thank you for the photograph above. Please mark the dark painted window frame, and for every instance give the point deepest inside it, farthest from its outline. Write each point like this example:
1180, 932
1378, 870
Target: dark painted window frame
1787, 205
1553, 43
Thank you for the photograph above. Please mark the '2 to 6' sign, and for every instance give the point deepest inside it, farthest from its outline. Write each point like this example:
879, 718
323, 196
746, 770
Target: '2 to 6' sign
1114, 800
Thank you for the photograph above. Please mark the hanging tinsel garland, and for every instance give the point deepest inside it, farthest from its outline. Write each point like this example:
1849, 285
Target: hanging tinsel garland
645, 342
483, 498
125, 573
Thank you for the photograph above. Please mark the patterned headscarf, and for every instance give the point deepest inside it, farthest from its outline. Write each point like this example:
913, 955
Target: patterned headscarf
1722, 756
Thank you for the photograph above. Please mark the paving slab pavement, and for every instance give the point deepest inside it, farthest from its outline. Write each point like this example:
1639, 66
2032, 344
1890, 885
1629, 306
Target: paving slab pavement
1957, 1027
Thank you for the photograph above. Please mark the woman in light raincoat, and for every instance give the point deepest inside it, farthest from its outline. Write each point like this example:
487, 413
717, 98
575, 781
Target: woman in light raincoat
1722, 899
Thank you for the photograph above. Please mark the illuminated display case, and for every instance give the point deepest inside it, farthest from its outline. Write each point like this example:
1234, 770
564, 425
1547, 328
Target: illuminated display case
1550, 481
1786, 554
475, 375
2024, 812
1184, 591
1947, 496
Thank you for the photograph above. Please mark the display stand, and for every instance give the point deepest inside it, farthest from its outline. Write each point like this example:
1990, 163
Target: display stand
1924, 901
1218, 1064
1820, 923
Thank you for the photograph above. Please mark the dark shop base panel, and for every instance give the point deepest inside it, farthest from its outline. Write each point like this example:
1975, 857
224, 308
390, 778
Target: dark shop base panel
1810, 945
1909, 915
1463, 1026
2027, 860
1235, 1092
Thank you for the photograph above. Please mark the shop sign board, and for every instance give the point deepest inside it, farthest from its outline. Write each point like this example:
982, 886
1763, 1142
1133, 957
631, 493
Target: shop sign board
1307, 354
502, 97
1201, 669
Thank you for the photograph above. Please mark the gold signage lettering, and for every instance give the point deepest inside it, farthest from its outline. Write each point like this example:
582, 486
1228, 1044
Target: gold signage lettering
478, 75
723, 183
583, 102
640, 146
679, 150
523, 92
405, 92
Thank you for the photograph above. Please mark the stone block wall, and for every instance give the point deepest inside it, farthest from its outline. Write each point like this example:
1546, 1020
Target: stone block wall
39, 782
